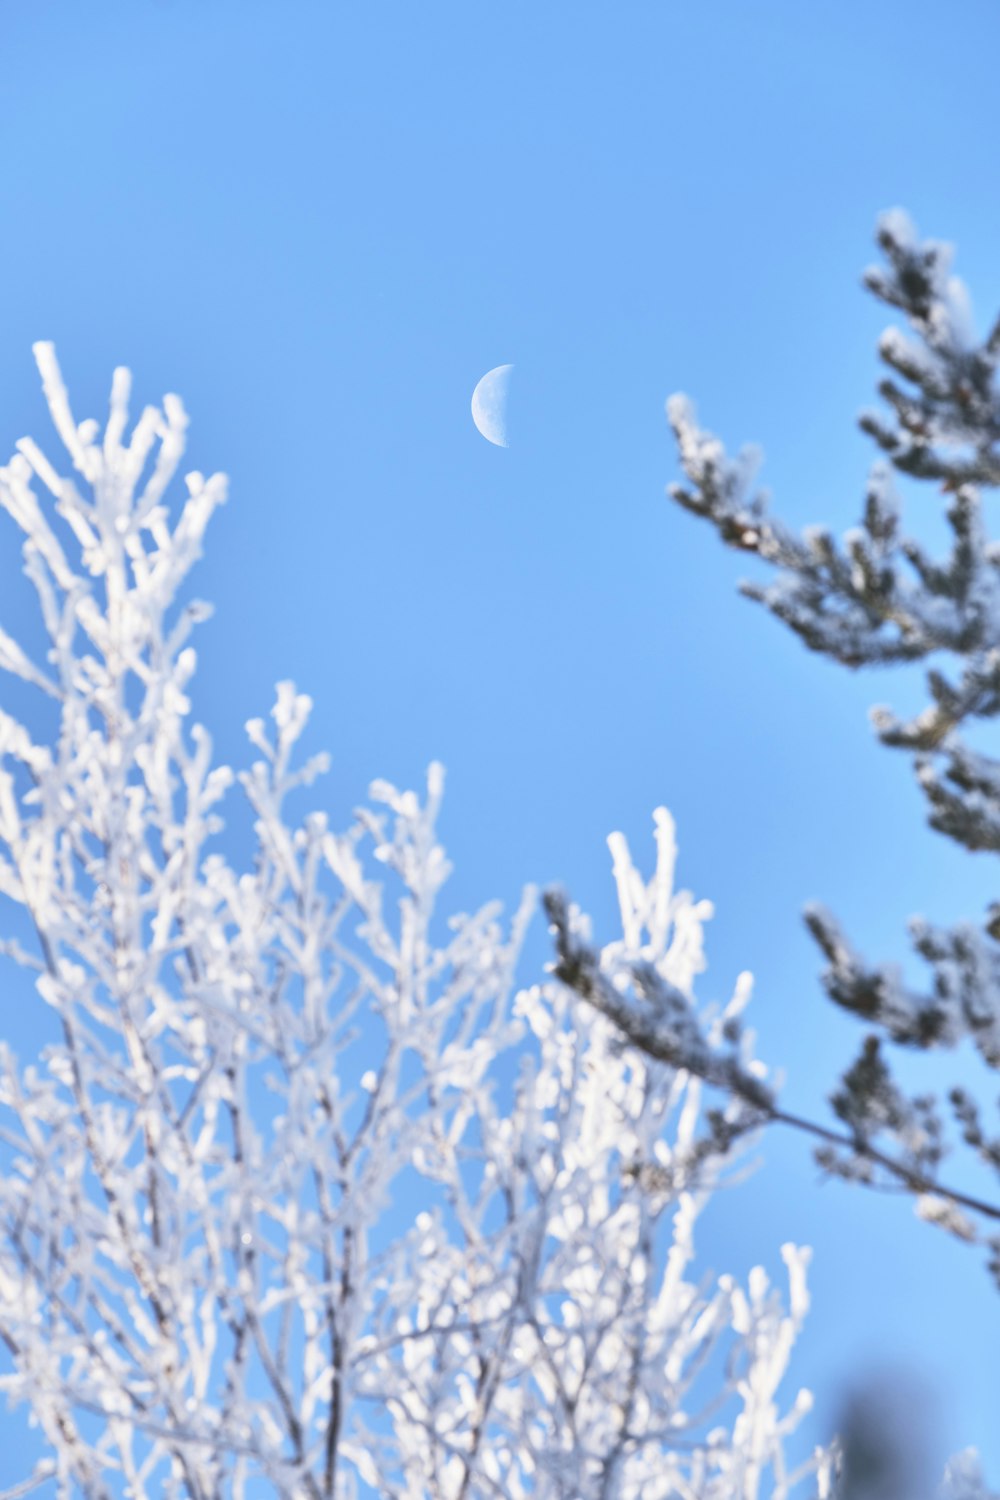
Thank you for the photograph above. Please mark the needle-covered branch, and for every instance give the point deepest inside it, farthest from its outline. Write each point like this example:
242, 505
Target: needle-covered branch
661, 1022
878, 597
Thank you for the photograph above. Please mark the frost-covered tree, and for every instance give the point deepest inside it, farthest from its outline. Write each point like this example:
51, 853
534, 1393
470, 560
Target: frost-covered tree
877, 598
301, 1197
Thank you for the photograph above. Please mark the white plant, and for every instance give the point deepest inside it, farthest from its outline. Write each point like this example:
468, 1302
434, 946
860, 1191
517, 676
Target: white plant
305, 1201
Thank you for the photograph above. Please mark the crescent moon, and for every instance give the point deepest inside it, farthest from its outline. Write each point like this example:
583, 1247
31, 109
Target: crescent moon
489, 405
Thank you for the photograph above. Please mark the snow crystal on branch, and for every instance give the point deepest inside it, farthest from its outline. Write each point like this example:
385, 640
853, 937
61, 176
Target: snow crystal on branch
305, 1195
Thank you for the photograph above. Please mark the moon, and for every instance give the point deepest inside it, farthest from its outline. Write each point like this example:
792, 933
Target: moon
489, 405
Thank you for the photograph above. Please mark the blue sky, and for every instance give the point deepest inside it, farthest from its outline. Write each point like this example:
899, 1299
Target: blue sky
321, 224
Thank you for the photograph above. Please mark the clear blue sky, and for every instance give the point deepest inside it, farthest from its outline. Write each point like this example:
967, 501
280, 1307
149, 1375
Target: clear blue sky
321, 224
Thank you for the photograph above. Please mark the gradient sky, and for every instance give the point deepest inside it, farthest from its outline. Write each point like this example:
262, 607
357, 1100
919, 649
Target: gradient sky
321, 223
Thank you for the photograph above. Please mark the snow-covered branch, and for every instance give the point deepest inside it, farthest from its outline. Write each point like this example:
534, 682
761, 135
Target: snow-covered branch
879, 597
306, 1194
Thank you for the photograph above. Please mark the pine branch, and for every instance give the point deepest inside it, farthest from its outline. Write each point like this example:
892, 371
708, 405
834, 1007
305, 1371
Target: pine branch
667, 1031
